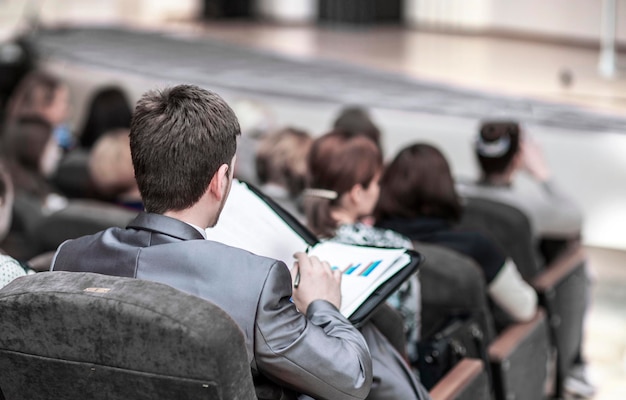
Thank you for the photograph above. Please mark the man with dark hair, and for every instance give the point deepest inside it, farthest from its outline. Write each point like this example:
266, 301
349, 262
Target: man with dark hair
355, 120
183, 143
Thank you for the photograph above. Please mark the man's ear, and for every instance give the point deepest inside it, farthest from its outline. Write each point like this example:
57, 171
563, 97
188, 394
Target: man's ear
220, 182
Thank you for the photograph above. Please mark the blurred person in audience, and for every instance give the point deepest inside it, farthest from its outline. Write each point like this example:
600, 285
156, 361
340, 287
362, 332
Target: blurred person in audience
111, 170
355, 120
344, 171
281, 167
10, 268
109, 110
44, 95
418, 199
32, 155
256, 120
183, 142
503, 151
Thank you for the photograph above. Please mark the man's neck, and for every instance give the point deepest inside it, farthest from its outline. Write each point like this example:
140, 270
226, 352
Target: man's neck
194, 216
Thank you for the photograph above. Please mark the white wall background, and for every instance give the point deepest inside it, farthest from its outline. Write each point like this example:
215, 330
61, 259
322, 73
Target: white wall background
570, 19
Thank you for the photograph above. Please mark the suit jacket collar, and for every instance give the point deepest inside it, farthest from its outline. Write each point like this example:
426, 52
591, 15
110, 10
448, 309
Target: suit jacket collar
165, 225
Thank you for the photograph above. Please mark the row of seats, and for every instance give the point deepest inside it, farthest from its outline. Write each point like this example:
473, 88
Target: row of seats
516, 363
526, 360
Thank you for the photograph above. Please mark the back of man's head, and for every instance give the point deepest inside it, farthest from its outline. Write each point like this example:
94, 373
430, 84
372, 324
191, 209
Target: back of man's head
179, 137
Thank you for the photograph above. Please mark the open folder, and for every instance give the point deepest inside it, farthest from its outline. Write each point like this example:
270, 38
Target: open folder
253, 222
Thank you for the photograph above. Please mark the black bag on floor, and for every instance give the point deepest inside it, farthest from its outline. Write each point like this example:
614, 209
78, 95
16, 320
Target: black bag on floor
439, 352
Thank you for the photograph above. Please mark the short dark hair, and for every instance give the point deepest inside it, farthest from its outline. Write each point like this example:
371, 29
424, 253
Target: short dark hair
35, 90
497, 143
179, 138
337, 162
355, 120
417, 183
109, 109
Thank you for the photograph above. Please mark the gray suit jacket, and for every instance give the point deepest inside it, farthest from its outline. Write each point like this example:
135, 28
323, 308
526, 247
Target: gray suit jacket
321, 354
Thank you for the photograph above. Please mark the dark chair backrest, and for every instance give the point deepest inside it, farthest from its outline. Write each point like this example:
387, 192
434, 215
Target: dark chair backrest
452, 285
508, 227
562, 285
79, 218
519, 360
69, 335
72, 177
389, 322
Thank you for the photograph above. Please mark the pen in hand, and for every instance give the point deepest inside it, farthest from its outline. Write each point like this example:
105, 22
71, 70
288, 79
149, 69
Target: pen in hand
296, 281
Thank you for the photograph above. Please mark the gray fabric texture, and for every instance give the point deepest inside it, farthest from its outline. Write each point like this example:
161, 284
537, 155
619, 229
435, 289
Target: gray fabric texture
452, 284
136, 340
522, 374
509, 228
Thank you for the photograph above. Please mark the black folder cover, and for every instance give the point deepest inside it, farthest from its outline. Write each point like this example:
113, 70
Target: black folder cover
378, 297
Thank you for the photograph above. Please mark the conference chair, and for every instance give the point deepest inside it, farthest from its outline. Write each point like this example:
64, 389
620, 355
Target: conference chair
519, 360
452, 285
72, 336
562, 285
509, 227
79, 218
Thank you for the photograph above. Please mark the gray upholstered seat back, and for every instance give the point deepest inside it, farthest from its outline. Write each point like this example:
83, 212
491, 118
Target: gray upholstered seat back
452, 284
509, 227
79, 218
72, 335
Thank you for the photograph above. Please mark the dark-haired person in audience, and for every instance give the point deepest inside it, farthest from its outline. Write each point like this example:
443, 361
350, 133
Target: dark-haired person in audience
10, 268
183, 141
418, 199
32, 155
43, 95
355, 120
111, 170
343, 172
109, 110
503, 151
281, 167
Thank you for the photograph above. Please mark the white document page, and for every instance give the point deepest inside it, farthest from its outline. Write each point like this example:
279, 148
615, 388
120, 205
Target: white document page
364, 269
248, 223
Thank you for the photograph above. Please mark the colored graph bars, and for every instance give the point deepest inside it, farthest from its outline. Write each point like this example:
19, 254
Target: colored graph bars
368, 269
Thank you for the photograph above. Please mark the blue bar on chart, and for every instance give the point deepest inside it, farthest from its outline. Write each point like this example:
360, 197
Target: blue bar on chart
372, 266
351, 268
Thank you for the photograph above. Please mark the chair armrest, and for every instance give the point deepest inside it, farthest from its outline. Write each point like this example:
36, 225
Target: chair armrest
507, 342
562, 267
457, 380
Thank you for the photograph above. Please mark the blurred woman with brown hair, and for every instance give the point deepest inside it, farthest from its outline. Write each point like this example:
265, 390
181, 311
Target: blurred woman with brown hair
418, 199
343, 188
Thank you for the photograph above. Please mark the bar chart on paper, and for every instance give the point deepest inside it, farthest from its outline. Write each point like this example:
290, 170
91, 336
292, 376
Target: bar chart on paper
358, 269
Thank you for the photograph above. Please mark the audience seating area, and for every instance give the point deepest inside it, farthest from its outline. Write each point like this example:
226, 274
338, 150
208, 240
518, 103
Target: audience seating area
90, 336
81, 335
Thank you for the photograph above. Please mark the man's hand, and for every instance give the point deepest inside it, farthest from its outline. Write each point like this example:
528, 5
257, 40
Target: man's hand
317, 282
